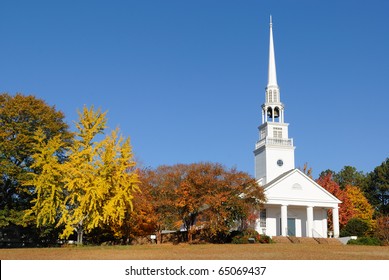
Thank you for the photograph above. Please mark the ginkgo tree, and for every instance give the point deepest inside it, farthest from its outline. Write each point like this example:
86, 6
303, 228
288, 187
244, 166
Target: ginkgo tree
93, 187
47, 181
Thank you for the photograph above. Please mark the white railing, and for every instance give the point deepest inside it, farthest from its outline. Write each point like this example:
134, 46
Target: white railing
274, 142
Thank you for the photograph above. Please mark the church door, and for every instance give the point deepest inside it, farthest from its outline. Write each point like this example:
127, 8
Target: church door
291, 226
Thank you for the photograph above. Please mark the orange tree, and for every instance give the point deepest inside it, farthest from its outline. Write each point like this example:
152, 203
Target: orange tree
143, 219
202, 196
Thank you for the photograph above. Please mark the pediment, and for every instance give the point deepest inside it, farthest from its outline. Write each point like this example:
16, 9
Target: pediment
294, 187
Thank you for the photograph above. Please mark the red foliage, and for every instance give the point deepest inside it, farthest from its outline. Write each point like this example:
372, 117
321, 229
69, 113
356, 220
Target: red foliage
346, 211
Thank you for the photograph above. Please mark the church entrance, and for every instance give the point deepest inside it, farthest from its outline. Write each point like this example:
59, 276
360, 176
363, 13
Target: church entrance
291, 226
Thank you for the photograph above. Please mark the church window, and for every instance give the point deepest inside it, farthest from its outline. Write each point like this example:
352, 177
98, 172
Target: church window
270, 96
275, 96
277, 132
262, 218
297, 186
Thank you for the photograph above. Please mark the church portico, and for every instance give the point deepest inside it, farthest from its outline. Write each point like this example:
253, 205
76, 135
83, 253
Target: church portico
294, 220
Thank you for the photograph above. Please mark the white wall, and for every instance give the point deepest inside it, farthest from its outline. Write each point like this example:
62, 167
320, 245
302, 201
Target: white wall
273, 154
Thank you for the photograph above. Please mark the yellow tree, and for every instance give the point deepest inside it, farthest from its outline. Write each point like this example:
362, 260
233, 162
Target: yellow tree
360, 205
100, 177
83, 192
93, 187
117, 174
48, 189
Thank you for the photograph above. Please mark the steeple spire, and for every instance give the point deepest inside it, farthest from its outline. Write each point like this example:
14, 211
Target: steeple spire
273, 109
272, 78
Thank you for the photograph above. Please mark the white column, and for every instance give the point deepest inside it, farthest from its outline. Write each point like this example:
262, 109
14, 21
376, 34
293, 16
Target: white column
335, 221
309, 221
263, 116
284, 220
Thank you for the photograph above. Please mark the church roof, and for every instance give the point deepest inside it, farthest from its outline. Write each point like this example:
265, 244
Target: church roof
278, 178
295, 187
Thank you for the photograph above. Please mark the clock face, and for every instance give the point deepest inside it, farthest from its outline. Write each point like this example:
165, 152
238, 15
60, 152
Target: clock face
280, 162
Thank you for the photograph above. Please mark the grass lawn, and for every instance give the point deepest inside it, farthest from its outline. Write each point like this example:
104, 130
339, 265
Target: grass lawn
202, 252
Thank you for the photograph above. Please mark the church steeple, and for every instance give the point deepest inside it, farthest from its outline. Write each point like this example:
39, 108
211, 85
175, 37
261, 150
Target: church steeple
273, 109
274, 151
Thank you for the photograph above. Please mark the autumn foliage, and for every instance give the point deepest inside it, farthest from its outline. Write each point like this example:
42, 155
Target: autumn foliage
354, 203
345, 208
360, 205
92, 188
203, 198
382, 229
57, 183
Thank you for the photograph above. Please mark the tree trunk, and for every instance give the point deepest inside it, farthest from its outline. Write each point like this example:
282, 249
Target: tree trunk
80, 234
190, 235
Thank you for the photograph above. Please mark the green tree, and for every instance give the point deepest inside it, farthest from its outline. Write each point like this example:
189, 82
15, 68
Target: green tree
377, 188
349, 176
326, 173
355, 227
20, 117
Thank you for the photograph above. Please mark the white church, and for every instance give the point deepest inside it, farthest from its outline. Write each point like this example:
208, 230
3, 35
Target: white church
296, 205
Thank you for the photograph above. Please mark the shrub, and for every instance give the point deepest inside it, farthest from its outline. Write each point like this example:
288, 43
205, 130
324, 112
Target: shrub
264, 239
239, 239
355, 227
370, 241
382, 229
244, 237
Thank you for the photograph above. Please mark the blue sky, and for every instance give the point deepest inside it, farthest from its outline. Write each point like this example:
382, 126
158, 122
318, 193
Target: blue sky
185, 79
